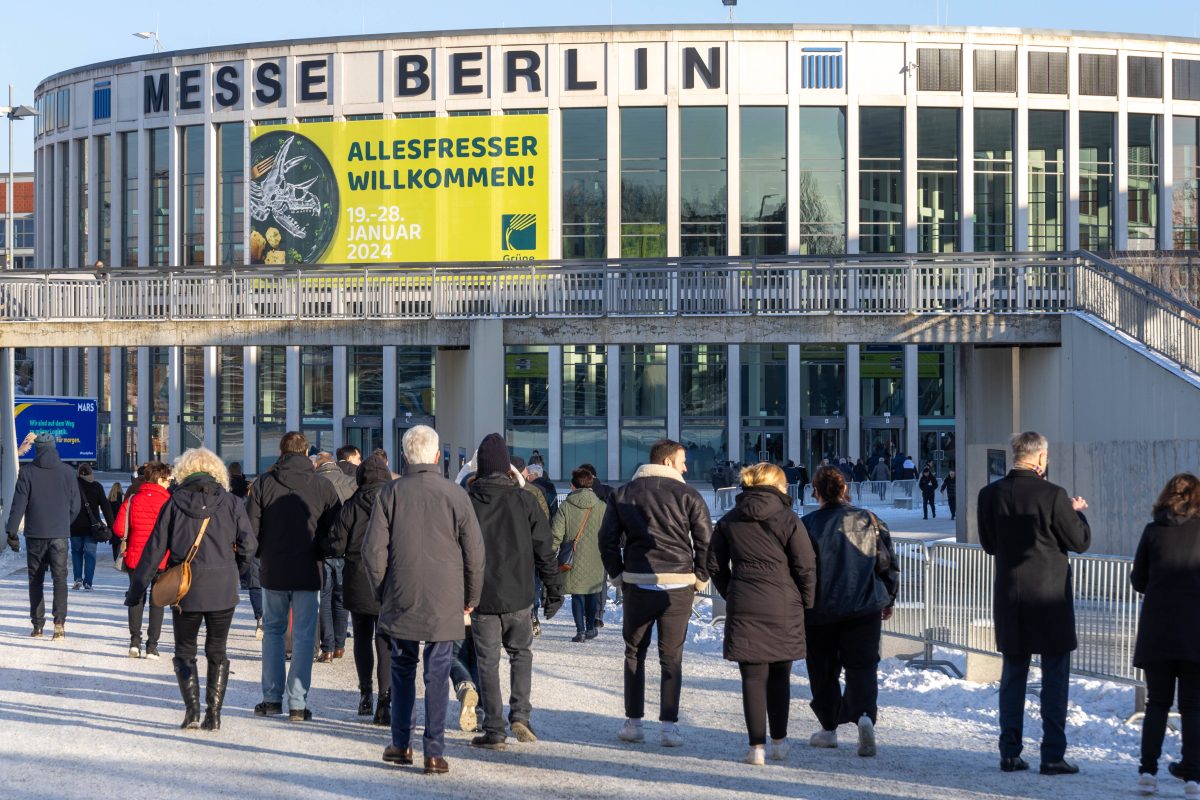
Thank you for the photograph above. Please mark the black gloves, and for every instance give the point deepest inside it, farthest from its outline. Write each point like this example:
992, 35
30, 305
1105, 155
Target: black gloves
14, 542
553, 603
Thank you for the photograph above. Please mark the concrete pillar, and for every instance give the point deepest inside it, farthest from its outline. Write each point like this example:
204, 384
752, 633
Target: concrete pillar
912, 434
73, 375
612, 366
175, 402
8, 430
59, 371
554, 459
116, 407
795, 434
250, 410
211, 378
292, 365
341, 385
389, 405
734, 411
465, 376
673, 397
145, 390
853, 400
94, 385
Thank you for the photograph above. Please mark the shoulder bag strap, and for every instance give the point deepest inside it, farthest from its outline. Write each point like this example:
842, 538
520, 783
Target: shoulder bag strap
582, 525
88, 507
196, 545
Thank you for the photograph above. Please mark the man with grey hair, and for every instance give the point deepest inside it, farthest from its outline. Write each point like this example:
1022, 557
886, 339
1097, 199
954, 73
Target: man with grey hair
1029, 525
423, 556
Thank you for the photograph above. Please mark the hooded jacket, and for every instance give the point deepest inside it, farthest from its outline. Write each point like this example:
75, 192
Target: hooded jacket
141, 510
857, 574
227, 542
289, 506
46, 496
346, 537
762, 562
656, 530
581, 514
345, 485
517, 540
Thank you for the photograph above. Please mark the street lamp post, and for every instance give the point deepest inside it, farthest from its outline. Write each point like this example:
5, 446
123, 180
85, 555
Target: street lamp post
12, 112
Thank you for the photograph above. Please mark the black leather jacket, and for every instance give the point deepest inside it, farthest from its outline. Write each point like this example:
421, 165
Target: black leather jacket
857, 572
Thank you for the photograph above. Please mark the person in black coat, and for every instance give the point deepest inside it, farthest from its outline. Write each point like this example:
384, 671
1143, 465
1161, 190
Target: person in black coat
1029, 525
762, 562
201, 514
517, 540
94, 508
372, 651
1166, 570
857, 581
950, 487
928, 486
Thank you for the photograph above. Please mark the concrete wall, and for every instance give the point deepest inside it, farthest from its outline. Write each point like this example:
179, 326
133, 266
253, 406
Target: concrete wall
464, 377
1119, 425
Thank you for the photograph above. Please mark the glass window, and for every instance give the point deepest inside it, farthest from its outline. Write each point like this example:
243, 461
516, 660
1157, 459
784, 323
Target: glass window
764, 181
882, 378
937, 180
643, 182
81, 222
160, 197
993, 180
129, 197
1096, 156
584, 408
1143, 182
129, 357
316, 383
585, 182
191, 172
192, 405
881, 180
1047, 179
231, 215
64, 202
272, 403
643, 403
104, 178
527, 400
230, 402
415, 370
160, 393
364, 374
1185, 201
704, 398
823, 380
764, 381
935, 380
822, 191
703, 181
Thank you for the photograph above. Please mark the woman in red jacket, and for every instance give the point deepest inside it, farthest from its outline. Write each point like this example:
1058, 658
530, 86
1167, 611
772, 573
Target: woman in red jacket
137, 516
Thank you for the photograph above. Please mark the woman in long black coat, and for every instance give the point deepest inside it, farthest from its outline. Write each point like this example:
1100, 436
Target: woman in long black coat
762, 563
371, 648
202, 494
1166, 570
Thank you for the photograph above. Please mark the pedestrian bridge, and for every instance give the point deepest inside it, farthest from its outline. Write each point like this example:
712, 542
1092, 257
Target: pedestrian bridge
1009, 300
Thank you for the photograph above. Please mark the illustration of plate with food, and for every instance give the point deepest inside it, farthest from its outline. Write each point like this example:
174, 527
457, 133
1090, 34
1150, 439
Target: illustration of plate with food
293, 200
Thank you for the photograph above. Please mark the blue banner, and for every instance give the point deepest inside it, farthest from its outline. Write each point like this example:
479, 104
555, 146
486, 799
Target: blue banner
70, 420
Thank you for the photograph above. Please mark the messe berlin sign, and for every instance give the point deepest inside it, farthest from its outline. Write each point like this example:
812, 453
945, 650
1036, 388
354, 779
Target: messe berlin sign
402, 190
70, 420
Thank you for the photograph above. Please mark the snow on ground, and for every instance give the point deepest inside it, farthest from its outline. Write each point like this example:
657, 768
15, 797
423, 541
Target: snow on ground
79, 719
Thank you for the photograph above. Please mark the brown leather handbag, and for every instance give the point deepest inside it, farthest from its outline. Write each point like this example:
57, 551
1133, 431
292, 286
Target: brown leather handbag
173, 585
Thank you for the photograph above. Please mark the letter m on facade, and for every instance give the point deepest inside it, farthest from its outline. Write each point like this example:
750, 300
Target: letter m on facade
154, 93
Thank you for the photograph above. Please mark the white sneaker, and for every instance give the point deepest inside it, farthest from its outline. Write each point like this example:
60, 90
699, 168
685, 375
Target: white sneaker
823, 738
135, 651
780, 749
1147, 783
632, 732
670, 736
756, 756
1191, 789
866, 736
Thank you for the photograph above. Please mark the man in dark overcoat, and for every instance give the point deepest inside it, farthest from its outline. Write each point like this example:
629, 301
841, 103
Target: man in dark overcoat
1029, 525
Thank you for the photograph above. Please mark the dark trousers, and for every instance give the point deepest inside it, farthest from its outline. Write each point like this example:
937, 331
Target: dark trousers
256, 604
187, 630
513, 631
852, 646
644, 610
371, 652
334, 615
928, 505
405, 654
1161, 680
1014, 677
953, 503
602, 602
42, 555
465, 667
583, 609
766, 697
135, 622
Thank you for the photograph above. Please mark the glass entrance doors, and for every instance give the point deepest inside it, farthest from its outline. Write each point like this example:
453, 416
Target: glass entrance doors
763, 444
824, 439
396, 453
364, 432
937, 446
882, 437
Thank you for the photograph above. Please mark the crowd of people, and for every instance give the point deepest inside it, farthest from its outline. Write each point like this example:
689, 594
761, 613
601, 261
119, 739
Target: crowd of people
450, 574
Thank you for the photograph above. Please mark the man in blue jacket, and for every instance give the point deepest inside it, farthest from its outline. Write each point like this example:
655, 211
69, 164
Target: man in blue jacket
47, 499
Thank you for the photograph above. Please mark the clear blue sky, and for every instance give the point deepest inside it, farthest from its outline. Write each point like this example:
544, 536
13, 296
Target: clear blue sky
39, 40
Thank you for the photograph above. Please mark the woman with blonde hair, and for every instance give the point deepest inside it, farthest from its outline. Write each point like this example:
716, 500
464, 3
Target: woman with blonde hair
762, 563
201, 514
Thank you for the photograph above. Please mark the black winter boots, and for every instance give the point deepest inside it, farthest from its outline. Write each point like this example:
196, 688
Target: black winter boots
189, 687
214, 694
365, 701
383, 711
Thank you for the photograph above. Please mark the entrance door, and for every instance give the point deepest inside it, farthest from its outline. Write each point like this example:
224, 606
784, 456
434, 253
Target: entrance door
882, 437
763, 445
365, 433
396, 454
824, 439
937, 445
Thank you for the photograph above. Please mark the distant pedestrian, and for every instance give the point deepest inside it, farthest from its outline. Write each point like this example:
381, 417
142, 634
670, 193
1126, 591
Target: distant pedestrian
578, 521
238, 485
89, 528
333, 614
857, 580
860, 472
47, 499
290, 506
202, 516
423, 556
134, 523
1166, 570
950, 487
655, 537
762, 562
349, 458
1029, 525
928, 486
115, 497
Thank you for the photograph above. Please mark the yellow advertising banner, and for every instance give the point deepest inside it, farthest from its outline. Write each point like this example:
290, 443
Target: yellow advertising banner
404, 190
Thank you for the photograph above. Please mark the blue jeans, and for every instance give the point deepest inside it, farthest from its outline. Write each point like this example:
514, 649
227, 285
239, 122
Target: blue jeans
583, 609
1014, 675
256, 601
464, 668
304, 607
405, 654
334, 616
83, 558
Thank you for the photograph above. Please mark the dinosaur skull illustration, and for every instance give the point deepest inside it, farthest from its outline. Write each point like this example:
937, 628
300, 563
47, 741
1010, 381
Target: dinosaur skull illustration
274, 196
